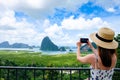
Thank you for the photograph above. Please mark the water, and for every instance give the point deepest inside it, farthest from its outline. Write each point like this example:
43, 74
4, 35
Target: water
38, 50
20, 49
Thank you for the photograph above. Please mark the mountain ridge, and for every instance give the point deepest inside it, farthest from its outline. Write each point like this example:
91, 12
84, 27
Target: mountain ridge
48, 45
6, 44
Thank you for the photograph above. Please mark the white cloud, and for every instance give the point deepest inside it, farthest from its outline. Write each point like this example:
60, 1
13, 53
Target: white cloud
37, 4
54, 29
77, 28
18, 31
82, 23
25, 31
107, 4
46, 23
55, 32
9, 20
111, 10
114, 22
58, 36
40, 8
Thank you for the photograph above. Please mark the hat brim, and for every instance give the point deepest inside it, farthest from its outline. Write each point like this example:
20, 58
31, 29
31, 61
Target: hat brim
108, 45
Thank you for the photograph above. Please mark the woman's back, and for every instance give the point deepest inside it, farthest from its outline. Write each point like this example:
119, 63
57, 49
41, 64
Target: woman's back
97, 61
101, 72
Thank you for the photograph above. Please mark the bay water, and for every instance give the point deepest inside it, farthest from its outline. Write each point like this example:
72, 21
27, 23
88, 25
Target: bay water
38, 50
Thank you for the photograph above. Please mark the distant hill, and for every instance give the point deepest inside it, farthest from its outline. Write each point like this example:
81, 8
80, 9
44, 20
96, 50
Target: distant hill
62, 49
86, 48
20, 45
6, 44
48, 45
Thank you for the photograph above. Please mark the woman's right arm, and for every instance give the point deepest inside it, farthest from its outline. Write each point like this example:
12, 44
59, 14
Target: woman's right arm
83, 59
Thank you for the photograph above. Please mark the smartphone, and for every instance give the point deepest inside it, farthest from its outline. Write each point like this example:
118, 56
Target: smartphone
84, 40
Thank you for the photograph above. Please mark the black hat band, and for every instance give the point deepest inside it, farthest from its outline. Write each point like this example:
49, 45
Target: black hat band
102, 39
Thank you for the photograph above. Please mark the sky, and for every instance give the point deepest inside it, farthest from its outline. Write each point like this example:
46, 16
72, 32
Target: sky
63, 21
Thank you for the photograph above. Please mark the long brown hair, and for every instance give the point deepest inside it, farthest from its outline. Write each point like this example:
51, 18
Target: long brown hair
106, 55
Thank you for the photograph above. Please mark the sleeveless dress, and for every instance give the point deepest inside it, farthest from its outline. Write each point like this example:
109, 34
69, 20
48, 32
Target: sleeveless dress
97, 74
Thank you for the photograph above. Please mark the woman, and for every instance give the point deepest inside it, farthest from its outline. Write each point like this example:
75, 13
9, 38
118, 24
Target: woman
103, 59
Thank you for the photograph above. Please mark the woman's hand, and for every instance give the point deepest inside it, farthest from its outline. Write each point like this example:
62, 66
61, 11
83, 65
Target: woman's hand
89, 44
78, 44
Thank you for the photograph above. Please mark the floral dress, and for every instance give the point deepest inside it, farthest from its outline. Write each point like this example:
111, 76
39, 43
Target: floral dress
98, 74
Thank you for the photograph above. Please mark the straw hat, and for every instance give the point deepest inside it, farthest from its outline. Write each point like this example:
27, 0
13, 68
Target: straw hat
104, 38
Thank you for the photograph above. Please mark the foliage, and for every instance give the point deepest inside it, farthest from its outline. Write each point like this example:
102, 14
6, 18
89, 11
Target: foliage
117, 38
25, 58
118, 56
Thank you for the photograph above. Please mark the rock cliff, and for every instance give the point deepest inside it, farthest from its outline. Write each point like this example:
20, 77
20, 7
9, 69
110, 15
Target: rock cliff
48, 45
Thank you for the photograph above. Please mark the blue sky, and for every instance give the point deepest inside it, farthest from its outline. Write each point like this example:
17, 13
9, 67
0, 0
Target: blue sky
29, 21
